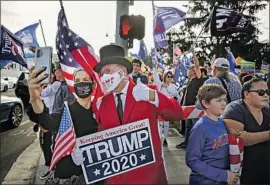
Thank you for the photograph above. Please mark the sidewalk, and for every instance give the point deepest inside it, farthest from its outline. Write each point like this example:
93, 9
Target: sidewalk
176, 169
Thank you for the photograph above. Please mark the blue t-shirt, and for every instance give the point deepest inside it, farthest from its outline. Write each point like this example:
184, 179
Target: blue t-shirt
208, 152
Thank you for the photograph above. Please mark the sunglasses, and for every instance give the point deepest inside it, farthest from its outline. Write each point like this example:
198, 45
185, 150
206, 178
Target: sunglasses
261, 92
169, 77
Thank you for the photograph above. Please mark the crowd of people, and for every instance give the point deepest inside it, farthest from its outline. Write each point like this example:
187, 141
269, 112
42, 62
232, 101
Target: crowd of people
231, 104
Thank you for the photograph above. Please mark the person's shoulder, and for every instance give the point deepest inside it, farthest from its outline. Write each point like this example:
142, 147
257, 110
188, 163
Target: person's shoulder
266, 110
212, 80
236, 104
200, 124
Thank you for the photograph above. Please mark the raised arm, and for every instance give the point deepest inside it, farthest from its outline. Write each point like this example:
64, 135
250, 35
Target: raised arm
156, 79
196, 64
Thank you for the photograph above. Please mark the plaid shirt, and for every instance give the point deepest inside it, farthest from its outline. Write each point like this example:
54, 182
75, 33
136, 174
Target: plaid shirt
234, 86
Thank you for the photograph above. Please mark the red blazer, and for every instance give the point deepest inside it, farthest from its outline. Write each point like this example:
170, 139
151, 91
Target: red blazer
134, 111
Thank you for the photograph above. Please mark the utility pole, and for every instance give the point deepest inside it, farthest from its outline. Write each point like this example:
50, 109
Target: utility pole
122, 8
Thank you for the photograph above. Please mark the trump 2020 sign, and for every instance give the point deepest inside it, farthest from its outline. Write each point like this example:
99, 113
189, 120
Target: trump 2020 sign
117, 150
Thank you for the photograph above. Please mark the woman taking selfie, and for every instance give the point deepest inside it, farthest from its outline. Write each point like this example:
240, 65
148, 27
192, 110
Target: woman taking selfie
65, 171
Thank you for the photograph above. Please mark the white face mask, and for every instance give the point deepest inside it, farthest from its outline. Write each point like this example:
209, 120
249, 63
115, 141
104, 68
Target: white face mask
111, 81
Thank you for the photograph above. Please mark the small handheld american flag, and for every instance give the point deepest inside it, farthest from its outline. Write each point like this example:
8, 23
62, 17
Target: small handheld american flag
65, 139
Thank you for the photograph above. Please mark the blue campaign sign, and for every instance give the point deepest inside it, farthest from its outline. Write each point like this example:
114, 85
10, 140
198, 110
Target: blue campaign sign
117, 150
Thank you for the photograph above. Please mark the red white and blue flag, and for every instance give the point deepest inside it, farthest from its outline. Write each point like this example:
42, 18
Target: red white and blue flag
11, 47
73, 52
65, 139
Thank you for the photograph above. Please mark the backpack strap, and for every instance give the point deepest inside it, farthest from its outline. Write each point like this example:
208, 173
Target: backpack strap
225, 87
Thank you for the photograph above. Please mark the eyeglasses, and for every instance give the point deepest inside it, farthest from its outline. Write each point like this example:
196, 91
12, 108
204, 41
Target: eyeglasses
169, 77
261, 92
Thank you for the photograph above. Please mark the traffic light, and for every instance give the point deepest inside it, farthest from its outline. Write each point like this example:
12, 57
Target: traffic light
132, 27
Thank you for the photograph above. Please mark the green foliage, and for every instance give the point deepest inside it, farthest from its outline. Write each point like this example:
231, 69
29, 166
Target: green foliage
245, 45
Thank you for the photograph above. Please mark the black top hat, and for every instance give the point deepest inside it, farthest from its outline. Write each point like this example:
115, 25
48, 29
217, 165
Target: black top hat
113, 54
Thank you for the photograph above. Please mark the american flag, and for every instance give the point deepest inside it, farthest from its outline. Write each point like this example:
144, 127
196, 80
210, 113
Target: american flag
65, 139
73, 52
180, 74
236, 146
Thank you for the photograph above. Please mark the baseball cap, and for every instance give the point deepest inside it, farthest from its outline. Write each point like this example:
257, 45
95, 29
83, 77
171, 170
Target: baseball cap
222, 63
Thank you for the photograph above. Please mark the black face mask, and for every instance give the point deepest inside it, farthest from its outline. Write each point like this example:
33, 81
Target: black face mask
83, 89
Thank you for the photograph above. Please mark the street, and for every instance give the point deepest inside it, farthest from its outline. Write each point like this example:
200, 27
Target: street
14, 141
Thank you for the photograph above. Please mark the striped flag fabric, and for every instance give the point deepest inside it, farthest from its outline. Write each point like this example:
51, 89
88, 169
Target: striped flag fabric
73, 52
142, 51
236, 147
65, 139
265, 67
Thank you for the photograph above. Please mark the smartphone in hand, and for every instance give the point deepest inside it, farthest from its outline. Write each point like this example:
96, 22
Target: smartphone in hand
43, 58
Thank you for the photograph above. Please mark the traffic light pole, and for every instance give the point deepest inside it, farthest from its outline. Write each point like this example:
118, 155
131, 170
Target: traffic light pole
122, 7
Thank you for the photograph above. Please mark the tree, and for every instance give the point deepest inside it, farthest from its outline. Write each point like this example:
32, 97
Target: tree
245, 45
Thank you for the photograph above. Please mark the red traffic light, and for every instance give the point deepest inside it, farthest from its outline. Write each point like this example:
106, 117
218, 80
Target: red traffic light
132, 27
125, 26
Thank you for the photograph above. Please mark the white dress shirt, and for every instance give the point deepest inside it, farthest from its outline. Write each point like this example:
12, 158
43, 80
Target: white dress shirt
123, 96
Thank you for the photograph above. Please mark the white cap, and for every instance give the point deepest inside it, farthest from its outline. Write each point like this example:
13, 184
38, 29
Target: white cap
221, 62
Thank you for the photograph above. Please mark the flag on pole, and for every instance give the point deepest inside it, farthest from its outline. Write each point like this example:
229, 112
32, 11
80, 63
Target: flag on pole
159, 32
231, 60
142, 51
170, 15
74, 52
12, 47
180, 74
226, 21
28, 36
65, 139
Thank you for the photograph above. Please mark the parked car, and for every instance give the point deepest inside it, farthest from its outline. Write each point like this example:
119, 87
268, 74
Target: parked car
4, 85
12, 110
21, 89
12, 81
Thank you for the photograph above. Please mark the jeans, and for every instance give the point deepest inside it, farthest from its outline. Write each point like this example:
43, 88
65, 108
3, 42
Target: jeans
45, 144
189, 125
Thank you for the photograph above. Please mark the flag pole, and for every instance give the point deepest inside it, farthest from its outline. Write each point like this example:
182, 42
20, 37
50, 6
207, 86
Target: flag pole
61, 4
155, 50
205, 23
153, 7
42, 32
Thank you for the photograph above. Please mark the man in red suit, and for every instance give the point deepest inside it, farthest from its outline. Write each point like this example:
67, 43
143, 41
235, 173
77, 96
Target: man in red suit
127, 102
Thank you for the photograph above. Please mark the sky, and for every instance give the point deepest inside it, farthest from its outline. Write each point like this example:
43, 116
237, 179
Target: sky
91, 20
